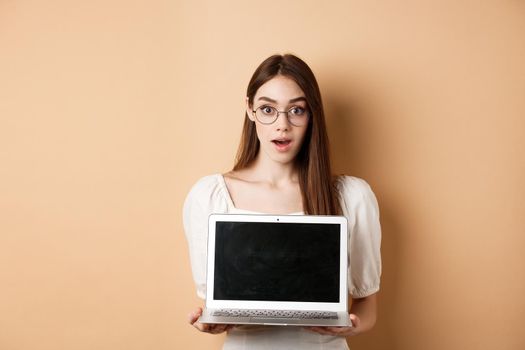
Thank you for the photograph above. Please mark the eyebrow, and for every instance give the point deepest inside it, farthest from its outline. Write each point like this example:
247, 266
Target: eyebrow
264, 98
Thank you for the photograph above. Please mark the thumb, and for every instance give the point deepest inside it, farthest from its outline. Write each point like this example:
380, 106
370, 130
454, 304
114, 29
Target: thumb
194, 315
355, 320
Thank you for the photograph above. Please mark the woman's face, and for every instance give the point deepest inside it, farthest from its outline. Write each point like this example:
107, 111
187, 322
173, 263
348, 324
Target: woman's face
281, 140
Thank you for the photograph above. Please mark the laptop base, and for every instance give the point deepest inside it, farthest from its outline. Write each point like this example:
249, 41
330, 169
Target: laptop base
343, 320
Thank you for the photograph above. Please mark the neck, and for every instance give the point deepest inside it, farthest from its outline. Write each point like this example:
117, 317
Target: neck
273, 172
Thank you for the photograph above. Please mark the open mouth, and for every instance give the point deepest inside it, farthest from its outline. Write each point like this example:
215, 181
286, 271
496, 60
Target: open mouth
282, 145
282, 142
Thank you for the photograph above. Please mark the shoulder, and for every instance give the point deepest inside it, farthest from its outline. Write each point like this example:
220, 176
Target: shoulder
205, 191
205, 184
351, 185
355, 192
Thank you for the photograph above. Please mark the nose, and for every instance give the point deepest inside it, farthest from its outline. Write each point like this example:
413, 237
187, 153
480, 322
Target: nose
282, 122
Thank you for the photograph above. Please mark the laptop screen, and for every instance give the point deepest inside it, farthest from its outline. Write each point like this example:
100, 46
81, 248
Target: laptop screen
260, 261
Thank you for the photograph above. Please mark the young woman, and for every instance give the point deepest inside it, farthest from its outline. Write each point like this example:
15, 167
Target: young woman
283, 167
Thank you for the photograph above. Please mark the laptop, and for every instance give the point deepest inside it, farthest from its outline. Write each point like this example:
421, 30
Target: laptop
288, 270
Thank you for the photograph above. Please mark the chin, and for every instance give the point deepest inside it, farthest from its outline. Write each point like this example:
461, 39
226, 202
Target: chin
284, 158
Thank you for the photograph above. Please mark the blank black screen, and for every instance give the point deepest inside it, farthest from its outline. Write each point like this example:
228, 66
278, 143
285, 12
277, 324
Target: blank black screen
277, 262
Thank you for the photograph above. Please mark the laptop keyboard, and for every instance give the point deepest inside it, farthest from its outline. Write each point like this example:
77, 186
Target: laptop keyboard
276, 314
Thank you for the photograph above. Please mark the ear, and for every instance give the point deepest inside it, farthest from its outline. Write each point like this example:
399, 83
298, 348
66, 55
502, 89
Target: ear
249, 112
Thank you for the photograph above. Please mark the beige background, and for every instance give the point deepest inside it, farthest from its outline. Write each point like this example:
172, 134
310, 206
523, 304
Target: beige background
110, 110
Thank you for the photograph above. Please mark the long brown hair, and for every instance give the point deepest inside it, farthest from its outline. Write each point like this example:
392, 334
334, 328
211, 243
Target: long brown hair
317, 185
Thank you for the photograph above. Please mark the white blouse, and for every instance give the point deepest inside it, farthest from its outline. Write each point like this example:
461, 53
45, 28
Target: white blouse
210, 195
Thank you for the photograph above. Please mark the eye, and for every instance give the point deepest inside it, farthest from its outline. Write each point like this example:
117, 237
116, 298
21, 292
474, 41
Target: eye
267, 110
298, 111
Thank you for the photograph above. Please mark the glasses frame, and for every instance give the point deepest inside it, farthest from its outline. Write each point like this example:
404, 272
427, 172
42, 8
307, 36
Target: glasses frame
254, 113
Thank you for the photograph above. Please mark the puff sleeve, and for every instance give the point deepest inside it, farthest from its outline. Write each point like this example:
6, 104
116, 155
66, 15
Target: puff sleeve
203, 199
360, 206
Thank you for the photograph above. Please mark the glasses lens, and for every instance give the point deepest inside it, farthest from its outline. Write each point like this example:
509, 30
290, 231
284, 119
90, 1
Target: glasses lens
298, 116
266, 114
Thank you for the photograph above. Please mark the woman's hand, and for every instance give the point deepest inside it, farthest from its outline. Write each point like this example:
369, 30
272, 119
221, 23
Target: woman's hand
342, 331
365, 307
206, 327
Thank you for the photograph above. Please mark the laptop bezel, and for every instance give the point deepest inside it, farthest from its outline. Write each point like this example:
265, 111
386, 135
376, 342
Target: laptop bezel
342, 305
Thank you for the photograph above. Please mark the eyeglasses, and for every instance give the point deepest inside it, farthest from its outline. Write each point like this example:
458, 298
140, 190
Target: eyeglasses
297, 116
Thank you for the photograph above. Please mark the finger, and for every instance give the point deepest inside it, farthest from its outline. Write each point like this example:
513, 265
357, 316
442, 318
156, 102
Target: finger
218, 328
194, 315
338, 330
314, 328
203, 327
320, 330
356, 321
332, 330
230, 326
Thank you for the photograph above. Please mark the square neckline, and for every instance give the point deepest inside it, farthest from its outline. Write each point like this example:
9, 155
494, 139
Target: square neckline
229, 199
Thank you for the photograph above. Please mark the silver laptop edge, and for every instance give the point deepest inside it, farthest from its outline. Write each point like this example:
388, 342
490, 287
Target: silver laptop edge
338, 308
